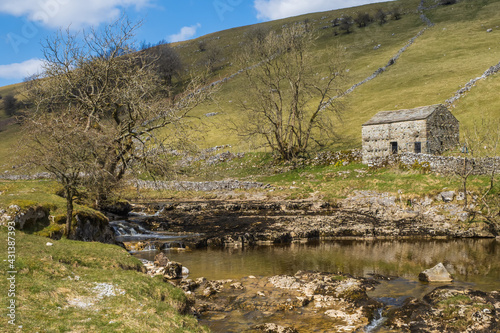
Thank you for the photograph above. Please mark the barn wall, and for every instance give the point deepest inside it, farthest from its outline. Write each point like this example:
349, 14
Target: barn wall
442, 131
377, 138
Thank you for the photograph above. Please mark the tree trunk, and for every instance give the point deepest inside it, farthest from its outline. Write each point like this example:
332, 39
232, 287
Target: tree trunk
69, 210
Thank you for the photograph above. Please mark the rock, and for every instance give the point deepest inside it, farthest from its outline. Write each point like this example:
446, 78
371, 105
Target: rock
237, 286
489, 30
448, 309
173, 270
437, 273
49, 244
273, 328
447, 196
460, 196
185, 271
120, 207
92, 227
161, 259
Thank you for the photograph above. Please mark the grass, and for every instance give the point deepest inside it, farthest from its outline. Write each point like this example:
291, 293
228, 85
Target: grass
327, 182
52, 279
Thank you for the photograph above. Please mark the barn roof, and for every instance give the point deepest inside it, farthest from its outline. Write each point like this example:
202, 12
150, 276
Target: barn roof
387, 117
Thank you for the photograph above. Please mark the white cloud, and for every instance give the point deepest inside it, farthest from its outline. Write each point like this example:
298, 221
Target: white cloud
277, 9
21, 70
62, 13
185, 33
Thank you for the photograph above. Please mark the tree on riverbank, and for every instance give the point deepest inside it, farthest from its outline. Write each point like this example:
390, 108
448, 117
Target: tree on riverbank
482, 141
288, 103
97, 107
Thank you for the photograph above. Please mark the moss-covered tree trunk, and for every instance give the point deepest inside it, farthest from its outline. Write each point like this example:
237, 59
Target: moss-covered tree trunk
69, 209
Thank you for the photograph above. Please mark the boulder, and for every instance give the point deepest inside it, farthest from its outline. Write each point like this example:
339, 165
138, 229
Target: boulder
119, 207
447, 196
161, 259
173, 270
437, 273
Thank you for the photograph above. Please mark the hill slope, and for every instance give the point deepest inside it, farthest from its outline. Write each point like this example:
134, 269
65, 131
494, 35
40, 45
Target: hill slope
436, 50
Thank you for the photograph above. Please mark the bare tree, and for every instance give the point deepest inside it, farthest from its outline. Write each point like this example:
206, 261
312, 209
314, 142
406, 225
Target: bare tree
346, 23
167, 61
362, 20
10, 105
480, 142
212, 57
288, 104
70, 154
381, 16
109, 93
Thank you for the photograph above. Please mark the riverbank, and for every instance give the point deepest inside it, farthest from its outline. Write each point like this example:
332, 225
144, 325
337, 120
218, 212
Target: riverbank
362, 215
85, 287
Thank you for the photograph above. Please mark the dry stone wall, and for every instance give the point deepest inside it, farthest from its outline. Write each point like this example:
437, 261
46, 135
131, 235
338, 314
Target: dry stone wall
230, 184
442, 164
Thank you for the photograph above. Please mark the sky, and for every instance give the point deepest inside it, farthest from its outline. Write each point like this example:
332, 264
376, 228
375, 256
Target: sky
25, 24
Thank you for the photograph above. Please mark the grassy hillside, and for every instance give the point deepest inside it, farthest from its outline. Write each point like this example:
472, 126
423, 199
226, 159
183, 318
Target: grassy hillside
456, 49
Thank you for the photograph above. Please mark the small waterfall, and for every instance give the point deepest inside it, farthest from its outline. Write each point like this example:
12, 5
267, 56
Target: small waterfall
149, 247
124, 228
377, 322
158, 213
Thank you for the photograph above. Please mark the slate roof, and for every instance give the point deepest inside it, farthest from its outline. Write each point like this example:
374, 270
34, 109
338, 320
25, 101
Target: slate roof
387, 117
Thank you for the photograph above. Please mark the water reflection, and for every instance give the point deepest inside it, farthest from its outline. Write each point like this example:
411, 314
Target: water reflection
474, 262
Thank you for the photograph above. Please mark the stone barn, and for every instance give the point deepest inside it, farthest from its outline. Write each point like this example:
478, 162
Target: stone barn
427, 129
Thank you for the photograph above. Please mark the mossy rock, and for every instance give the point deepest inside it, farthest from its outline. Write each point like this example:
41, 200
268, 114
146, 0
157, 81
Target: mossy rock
60, 219
54, 231
118, 207
91, 226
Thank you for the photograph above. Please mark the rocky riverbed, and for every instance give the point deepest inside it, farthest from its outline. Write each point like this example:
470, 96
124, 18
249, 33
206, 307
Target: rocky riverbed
327, 302
364, 214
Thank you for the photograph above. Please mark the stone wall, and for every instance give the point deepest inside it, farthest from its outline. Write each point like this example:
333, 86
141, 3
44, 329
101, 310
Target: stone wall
198, 186
442, 164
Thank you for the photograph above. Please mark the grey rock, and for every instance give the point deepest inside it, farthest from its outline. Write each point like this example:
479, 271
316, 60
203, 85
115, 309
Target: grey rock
273, 328
447, 196
437, 273
489, 30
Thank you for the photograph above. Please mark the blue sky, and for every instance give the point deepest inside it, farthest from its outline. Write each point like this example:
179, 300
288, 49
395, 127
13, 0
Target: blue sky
24, 24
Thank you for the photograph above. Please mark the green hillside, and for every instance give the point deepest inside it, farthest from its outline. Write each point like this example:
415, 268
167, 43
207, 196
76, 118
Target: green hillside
440, 61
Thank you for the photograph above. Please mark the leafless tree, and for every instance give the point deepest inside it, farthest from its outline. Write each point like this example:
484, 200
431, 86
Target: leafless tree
10, 105
346, 23
482, 141
70, 154
362, 19
110, 97
212, 57
167, 61
287, 103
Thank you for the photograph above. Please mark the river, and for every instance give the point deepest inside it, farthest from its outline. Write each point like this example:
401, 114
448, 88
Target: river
474, 263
